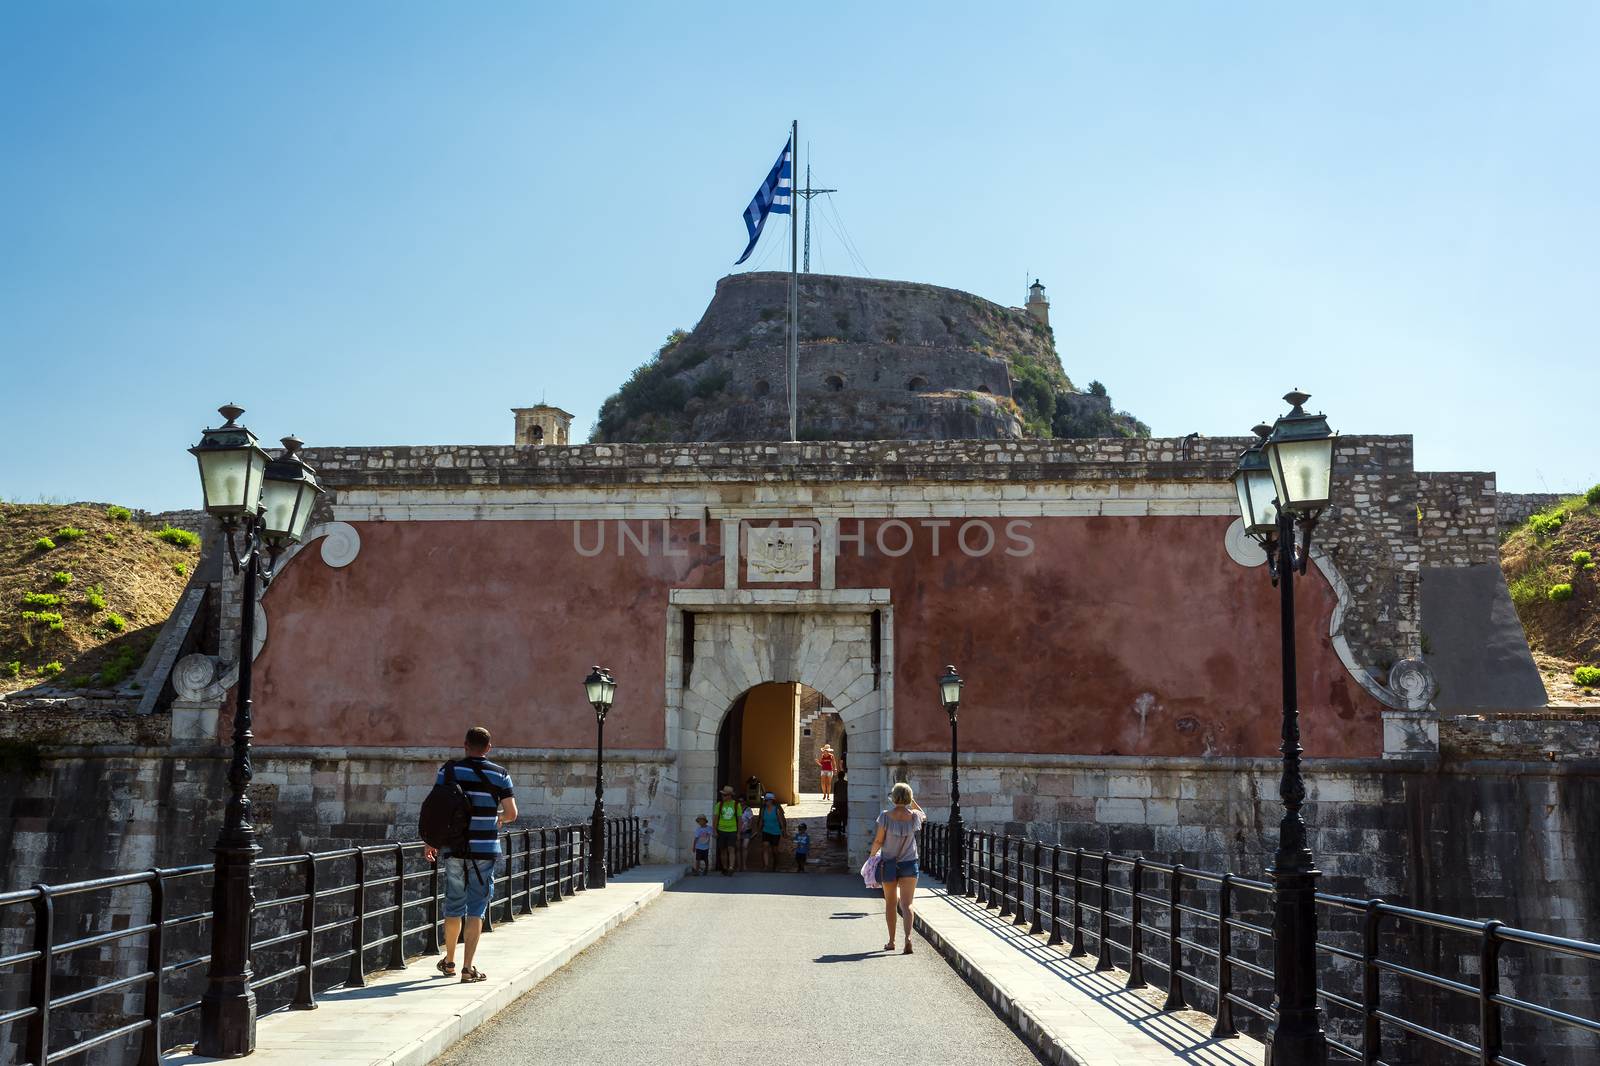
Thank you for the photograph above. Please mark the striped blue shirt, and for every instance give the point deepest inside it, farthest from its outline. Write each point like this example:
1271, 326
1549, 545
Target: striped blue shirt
485, 784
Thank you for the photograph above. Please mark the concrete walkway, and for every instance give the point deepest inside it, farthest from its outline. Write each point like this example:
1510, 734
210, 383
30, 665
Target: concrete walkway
758, 968
409, 1017
1071, 1014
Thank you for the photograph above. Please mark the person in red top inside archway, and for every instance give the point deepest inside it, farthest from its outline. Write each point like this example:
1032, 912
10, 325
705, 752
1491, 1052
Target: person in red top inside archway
825, 766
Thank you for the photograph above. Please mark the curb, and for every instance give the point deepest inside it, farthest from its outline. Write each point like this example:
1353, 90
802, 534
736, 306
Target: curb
1005, 1004
436, 1042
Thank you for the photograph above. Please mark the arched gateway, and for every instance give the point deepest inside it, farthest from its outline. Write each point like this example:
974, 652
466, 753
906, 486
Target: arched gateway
837, 642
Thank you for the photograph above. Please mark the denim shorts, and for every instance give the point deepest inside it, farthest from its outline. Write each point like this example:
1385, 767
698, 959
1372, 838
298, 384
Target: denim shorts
892, 870
468, 885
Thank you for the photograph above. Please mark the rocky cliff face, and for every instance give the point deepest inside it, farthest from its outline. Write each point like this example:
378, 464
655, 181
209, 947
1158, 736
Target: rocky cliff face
879, 360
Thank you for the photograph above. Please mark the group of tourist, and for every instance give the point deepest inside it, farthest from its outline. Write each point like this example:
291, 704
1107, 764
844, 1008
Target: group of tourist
736, 828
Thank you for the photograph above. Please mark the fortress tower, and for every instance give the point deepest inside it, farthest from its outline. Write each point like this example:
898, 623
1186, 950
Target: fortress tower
541, 425
1038, 303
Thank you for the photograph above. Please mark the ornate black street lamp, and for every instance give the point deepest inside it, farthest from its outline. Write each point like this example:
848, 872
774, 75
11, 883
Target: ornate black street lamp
601, 688
955, 881
1292, 466
269, 501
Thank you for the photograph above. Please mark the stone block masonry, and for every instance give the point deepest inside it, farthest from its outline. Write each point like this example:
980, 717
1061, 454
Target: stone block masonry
1489, 833
1513, 508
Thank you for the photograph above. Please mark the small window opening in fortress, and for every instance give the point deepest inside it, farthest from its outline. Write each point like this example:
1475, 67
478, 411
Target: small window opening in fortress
538, 434
877, 646
687, 653
917, 383
983, 389
762, 388
834, 383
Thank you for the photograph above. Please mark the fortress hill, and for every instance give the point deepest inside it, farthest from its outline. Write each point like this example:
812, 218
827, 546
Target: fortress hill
879, 360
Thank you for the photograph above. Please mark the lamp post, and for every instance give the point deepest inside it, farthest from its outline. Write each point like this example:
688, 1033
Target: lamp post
601, 689
1283, 482
955, 881
269, 502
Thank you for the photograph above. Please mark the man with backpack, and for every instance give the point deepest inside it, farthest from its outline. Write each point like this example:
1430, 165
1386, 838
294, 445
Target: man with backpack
460, 824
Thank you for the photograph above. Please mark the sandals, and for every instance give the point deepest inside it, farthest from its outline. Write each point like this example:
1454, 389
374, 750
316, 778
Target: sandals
472, 975
889, 946
446, 967
908, 950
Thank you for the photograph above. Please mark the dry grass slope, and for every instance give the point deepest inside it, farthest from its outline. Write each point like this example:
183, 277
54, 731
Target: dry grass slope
84, 586
1554, 586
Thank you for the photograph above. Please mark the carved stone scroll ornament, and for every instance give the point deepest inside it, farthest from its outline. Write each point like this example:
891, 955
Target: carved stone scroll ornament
1414, 682
195, 678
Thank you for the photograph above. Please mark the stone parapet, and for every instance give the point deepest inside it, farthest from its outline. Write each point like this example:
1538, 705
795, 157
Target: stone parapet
1099, 459
1513, 508
1559, 733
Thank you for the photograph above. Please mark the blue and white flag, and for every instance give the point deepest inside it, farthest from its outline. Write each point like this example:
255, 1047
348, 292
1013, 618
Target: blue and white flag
776, 194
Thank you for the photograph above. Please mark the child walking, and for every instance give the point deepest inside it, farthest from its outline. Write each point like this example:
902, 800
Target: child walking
702, 846
802, 848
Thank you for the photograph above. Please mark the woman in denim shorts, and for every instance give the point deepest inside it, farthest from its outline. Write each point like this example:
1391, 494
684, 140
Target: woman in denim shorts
896, 847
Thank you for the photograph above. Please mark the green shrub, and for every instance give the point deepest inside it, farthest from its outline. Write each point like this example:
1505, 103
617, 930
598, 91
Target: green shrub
43, 618
650, 390
712, 383
12, 668
51, 669
180, 537
69, 533
44, 544
111, 538
79, 681
1583, 560
118, 514
1593, 495
40, 599
1560, 592
125, 662
181, 569
693, 359
62, 577
95, 596
1587, 676
1524, 590
115, 622
1546, 522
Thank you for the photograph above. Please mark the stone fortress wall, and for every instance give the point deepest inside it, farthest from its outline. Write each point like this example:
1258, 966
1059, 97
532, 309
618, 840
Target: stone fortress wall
1469, 816
1513, 508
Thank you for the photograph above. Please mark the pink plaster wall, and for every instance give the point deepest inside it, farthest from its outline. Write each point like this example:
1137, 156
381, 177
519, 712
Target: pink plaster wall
1134, 636
438, 626
1120, 636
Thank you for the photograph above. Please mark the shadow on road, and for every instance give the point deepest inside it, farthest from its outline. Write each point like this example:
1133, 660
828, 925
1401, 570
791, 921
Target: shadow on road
832, 886
859, 956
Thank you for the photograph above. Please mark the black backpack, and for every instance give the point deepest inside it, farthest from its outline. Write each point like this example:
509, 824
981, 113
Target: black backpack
446, 814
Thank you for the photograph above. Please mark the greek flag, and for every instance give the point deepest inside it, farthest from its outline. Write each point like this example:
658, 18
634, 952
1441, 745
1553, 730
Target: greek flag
775, 194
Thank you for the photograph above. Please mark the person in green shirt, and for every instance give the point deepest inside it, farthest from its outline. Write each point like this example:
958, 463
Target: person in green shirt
726, 818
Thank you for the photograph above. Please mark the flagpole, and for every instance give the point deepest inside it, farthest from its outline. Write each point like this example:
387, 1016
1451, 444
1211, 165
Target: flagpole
794, 282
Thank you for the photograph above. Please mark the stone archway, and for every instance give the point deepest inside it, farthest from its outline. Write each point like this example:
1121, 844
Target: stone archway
819, 640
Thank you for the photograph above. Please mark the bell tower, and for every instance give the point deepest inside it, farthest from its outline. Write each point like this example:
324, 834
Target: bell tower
1038, 303
541, 425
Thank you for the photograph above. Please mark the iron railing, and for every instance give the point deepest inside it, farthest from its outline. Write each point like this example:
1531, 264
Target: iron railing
385, 911
1100, 903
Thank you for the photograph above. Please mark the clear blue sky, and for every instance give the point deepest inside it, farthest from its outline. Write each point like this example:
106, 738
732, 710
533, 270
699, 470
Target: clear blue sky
388, 223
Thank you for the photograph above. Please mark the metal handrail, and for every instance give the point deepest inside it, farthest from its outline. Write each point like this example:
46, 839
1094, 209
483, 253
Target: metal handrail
375, 909
1076, 897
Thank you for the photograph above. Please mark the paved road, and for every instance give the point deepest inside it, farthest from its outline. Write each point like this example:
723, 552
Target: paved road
760, 968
